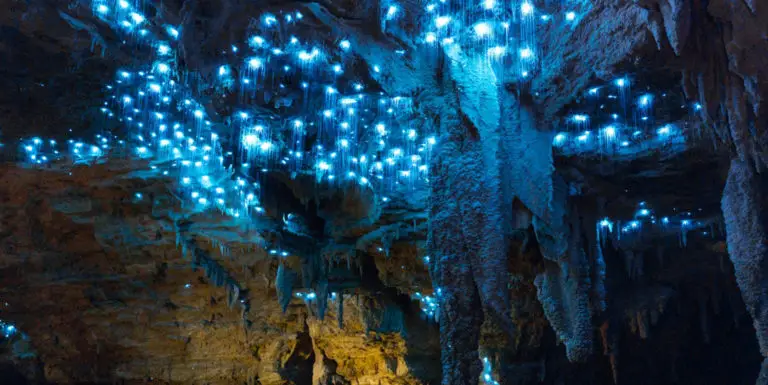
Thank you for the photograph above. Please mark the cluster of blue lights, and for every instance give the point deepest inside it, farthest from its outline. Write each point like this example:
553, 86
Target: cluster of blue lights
355, 137
310, 296
350, 135
7, 329
630, 128
499, 30
39, 151
429, 304
645, 217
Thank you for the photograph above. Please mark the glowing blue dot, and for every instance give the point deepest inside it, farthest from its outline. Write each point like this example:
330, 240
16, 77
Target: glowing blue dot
269, 20
609, 132
344, 44
482, 29
391, 12
570, 16
163, 68
526, 8
559, 139
137, 18
580, 118
496, 51
442, 21
102, 9
173, 32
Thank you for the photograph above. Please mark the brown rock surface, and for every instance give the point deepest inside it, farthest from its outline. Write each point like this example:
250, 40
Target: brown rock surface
95, 281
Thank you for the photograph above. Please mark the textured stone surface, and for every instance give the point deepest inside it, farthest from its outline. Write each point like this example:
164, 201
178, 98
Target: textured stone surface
104, 294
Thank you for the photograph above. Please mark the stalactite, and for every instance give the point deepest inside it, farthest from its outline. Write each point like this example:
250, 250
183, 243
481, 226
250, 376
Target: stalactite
284, 286
610, 348
746, 229
215, 272
564, 287
704, 319
597, 263
340, 310
762, 378
660, 254
322, 298
683, 237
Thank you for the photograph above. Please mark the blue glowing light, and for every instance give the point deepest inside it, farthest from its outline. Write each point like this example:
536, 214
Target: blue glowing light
580, 118
162, 68
172, 32
609, 132
344, 44
621, 82
559, 139
269, 20
664, 131
526, 9
137, 18
391, 12
497, 51
102, 9
570, 16
482, 29
526, 53
254, 63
